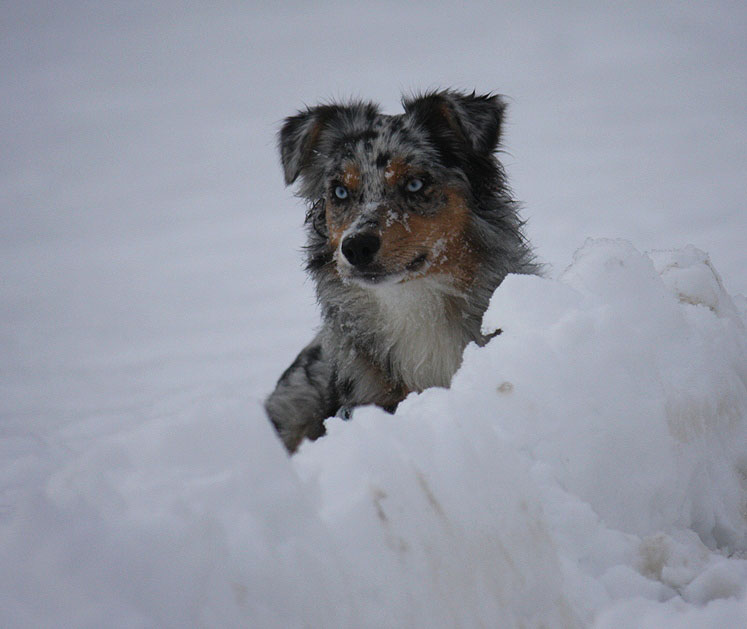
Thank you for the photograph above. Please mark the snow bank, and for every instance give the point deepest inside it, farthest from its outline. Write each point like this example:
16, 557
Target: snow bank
589, 466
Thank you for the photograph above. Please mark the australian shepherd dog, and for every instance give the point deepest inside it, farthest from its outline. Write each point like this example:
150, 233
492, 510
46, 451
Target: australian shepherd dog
411, 227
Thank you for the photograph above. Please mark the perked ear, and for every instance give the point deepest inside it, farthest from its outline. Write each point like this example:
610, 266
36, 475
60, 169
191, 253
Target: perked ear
299, 136
467, 119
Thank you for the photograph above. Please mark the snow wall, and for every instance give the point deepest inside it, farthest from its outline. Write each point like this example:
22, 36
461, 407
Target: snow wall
587, 467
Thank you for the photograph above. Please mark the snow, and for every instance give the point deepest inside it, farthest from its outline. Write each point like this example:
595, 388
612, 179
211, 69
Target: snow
588, 467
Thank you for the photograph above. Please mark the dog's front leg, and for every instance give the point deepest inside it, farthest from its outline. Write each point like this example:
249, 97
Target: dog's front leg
304, 397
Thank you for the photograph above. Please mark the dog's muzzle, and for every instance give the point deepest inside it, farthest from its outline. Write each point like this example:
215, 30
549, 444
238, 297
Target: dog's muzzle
360, 249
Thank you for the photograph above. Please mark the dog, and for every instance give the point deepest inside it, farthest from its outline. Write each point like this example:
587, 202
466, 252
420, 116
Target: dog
410, 228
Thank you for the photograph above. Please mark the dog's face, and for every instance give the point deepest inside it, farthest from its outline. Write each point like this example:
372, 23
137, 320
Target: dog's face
391, 213
397, 191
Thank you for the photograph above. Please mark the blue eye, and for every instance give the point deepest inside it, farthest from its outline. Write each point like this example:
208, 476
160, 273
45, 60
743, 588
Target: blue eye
414, 185
341, 192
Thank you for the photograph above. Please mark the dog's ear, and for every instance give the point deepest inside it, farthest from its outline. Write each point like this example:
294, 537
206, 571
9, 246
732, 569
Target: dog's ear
457, 120
304, 135
299, 136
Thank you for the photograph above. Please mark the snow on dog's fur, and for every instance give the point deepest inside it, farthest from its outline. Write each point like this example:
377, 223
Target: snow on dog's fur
411, 227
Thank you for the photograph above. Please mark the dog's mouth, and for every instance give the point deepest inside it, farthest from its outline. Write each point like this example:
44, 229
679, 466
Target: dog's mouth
376, 274
371, 276
417, 263
375, 278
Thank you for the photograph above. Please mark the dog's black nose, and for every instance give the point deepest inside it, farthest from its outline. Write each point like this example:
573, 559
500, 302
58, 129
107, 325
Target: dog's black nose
360, 249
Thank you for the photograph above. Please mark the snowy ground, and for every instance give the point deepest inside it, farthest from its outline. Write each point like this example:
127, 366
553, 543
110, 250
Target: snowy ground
587, 467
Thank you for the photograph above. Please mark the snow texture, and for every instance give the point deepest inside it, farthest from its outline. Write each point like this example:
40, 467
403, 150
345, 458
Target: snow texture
588, 467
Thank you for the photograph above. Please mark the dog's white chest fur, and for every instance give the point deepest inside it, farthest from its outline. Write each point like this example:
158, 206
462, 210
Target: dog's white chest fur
424, 341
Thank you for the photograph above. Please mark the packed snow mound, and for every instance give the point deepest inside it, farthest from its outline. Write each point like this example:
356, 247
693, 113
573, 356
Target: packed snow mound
587, 467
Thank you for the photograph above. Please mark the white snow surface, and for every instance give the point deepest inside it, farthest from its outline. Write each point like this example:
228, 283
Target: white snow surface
588, 467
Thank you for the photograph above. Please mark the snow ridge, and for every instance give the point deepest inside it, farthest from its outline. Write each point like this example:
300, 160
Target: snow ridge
587, 467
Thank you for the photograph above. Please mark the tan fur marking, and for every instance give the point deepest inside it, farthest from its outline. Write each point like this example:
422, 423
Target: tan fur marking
388, 394
351, 176
449, 117
441, 237
336, 229
396, 170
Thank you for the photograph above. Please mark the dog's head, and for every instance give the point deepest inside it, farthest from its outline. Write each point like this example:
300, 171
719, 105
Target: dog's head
392, 195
